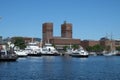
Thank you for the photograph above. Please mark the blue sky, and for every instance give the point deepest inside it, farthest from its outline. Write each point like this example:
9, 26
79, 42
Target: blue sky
91, 19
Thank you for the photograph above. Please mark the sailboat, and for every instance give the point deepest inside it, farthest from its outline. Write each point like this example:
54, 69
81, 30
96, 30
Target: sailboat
112, 52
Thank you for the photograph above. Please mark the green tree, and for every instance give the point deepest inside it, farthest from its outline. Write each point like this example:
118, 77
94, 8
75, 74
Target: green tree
75, 46
19, 42
95, 48
118, 48
107, 48
65, 48
89, 48
98, 48
53, 45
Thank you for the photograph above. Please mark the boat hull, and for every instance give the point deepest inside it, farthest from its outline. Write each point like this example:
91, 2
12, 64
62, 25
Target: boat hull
34, 55
20, 53
50, 54
118, 54
79, 56
8, 58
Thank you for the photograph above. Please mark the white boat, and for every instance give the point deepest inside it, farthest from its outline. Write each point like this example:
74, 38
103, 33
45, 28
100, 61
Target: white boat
111, 53
69, 51
93, 53
79, 53
48, 49
33, 49
21, 53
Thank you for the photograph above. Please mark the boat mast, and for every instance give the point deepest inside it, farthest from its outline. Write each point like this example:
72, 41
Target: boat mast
111, 43
32, 40
4, 48
48, 41
70, 45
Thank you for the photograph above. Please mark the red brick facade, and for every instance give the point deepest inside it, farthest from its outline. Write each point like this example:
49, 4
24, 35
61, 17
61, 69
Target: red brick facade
66, 35
86, 43
66, 30
60, 42
47, 32
105, 43
108, 43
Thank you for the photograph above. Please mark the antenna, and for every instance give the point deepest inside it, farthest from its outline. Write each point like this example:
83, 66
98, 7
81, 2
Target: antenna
32, 39
106, 36
0, 18
65, 22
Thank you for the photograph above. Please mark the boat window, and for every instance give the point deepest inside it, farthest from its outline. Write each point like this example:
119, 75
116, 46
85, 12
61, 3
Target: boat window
44, 49
32, 44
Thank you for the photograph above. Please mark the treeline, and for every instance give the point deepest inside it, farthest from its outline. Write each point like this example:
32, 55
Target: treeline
95, 48
99, 48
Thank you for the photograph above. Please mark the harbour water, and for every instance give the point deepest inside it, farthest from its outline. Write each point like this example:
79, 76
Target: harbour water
61, 68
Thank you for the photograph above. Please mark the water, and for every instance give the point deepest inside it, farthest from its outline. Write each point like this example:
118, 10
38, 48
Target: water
61, 68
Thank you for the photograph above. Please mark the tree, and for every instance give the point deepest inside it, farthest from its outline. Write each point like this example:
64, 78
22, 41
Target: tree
75, 46
118, 48
89, 48
107, 48
19, 42
98, 48
65, 48
54, 45
95, 48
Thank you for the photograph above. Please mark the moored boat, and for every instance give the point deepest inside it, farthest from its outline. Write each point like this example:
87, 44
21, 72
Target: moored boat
111, 53
7, 55
79, 53
49, 50
21, 53
33, 49
34, 53
10, 57
118, 53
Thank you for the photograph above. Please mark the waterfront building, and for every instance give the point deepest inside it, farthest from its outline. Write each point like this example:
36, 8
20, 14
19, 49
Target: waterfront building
28, 40
64, 40
117, 43
86, 43
107, 43
60, 42
47, 32
66, 30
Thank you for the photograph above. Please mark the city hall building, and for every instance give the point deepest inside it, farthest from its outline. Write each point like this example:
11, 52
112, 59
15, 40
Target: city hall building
64, 40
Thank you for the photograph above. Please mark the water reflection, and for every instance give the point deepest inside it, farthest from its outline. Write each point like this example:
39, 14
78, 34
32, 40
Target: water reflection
61, 68
57, 67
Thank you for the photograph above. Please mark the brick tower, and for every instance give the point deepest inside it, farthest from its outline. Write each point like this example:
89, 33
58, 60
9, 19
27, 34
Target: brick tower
66, 30
47, 32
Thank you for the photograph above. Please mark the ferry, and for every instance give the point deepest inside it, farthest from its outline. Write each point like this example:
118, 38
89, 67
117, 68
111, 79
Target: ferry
33, 49
49, 50
79, 53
